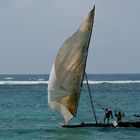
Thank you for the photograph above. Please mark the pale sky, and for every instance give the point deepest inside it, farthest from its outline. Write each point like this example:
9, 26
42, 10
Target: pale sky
32, 31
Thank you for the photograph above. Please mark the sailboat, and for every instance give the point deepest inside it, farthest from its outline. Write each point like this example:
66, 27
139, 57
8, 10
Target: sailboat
67, 75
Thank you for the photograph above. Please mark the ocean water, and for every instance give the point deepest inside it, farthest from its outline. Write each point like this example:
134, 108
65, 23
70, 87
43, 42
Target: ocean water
25, 115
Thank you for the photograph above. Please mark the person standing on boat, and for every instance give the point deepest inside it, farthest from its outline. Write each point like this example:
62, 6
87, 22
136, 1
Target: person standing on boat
119, 116
108, 114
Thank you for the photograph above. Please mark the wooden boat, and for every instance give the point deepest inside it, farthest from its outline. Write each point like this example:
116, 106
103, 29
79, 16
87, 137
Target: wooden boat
88, 125
120, 124
129, 124
68, 73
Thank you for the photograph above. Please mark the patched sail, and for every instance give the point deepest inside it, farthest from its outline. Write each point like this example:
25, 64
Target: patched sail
67, 73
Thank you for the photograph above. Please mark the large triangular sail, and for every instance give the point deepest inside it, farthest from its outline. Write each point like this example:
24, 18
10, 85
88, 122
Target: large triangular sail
67, 73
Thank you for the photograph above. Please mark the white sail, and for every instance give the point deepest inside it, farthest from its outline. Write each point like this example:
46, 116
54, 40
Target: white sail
67, 73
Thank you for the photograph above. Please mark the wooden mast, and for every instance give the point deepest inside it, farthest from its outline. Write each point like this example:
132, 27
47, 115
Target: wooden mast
89, 91
86, 54
91, 100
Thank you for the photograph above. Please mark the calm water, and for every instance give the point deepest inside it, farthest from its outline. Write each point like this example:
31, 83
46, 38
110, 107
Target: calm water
24, 113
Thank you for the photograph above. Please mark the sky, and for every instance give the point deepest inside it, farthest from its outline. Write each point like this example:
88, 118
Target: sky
32, 31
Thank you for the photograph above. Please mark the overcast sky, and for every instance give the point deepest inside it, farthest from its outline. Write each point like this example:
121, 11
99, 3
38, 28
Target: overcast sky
32, 31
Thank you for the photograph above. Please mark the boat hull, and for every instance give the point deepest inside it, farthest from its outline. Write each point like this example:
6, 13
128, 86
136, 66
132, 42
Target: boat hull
129, 124
120, 124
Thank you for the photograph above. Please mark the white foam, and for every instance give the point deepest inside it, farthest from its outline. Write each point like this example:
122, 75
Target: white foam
8, 78
114, 82
22, 82
46, 82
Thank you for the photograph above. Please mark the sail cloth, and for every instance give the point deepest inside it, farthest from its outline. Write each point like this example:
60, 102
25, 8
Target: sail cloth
67, 73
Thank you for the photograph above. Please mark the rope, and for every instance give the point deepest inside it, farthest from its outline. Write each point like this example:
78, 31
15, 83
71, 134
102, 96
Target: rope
102, 106
106, 106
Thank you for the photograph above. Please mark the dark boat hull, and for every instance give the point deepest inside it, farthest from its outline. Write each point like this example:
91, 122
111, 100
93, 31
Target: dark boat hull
87, 125
129, 124
120, 124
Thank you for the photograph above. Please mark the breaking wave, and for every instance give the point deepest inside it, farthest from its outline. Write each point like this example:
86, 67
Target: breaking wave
22, 82
113, 82
46, 82
9, 78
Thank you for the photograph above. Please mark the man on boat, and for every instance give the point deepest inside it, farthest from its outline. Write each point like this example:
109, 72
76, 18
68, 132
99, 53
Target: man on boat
119, 116
108, 114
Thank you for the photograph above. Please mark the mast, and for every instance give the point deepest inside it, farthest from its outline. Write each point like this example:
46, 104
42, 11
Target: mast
86, 55
89, 91
91, 100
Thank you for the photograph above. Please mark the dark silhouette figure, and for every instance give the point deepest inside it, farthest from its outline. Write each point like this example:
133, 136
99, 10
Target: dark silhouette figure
108, 114
119, 116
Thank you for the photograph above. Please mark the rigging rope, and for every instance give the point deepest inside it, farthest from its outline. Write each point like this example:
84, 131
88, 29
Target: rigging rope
114, 107
102, 107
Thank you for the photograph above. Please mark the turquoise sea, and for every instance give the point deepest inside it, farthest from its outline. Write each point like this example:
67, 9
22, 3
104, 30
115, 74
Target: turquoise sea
25, 115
